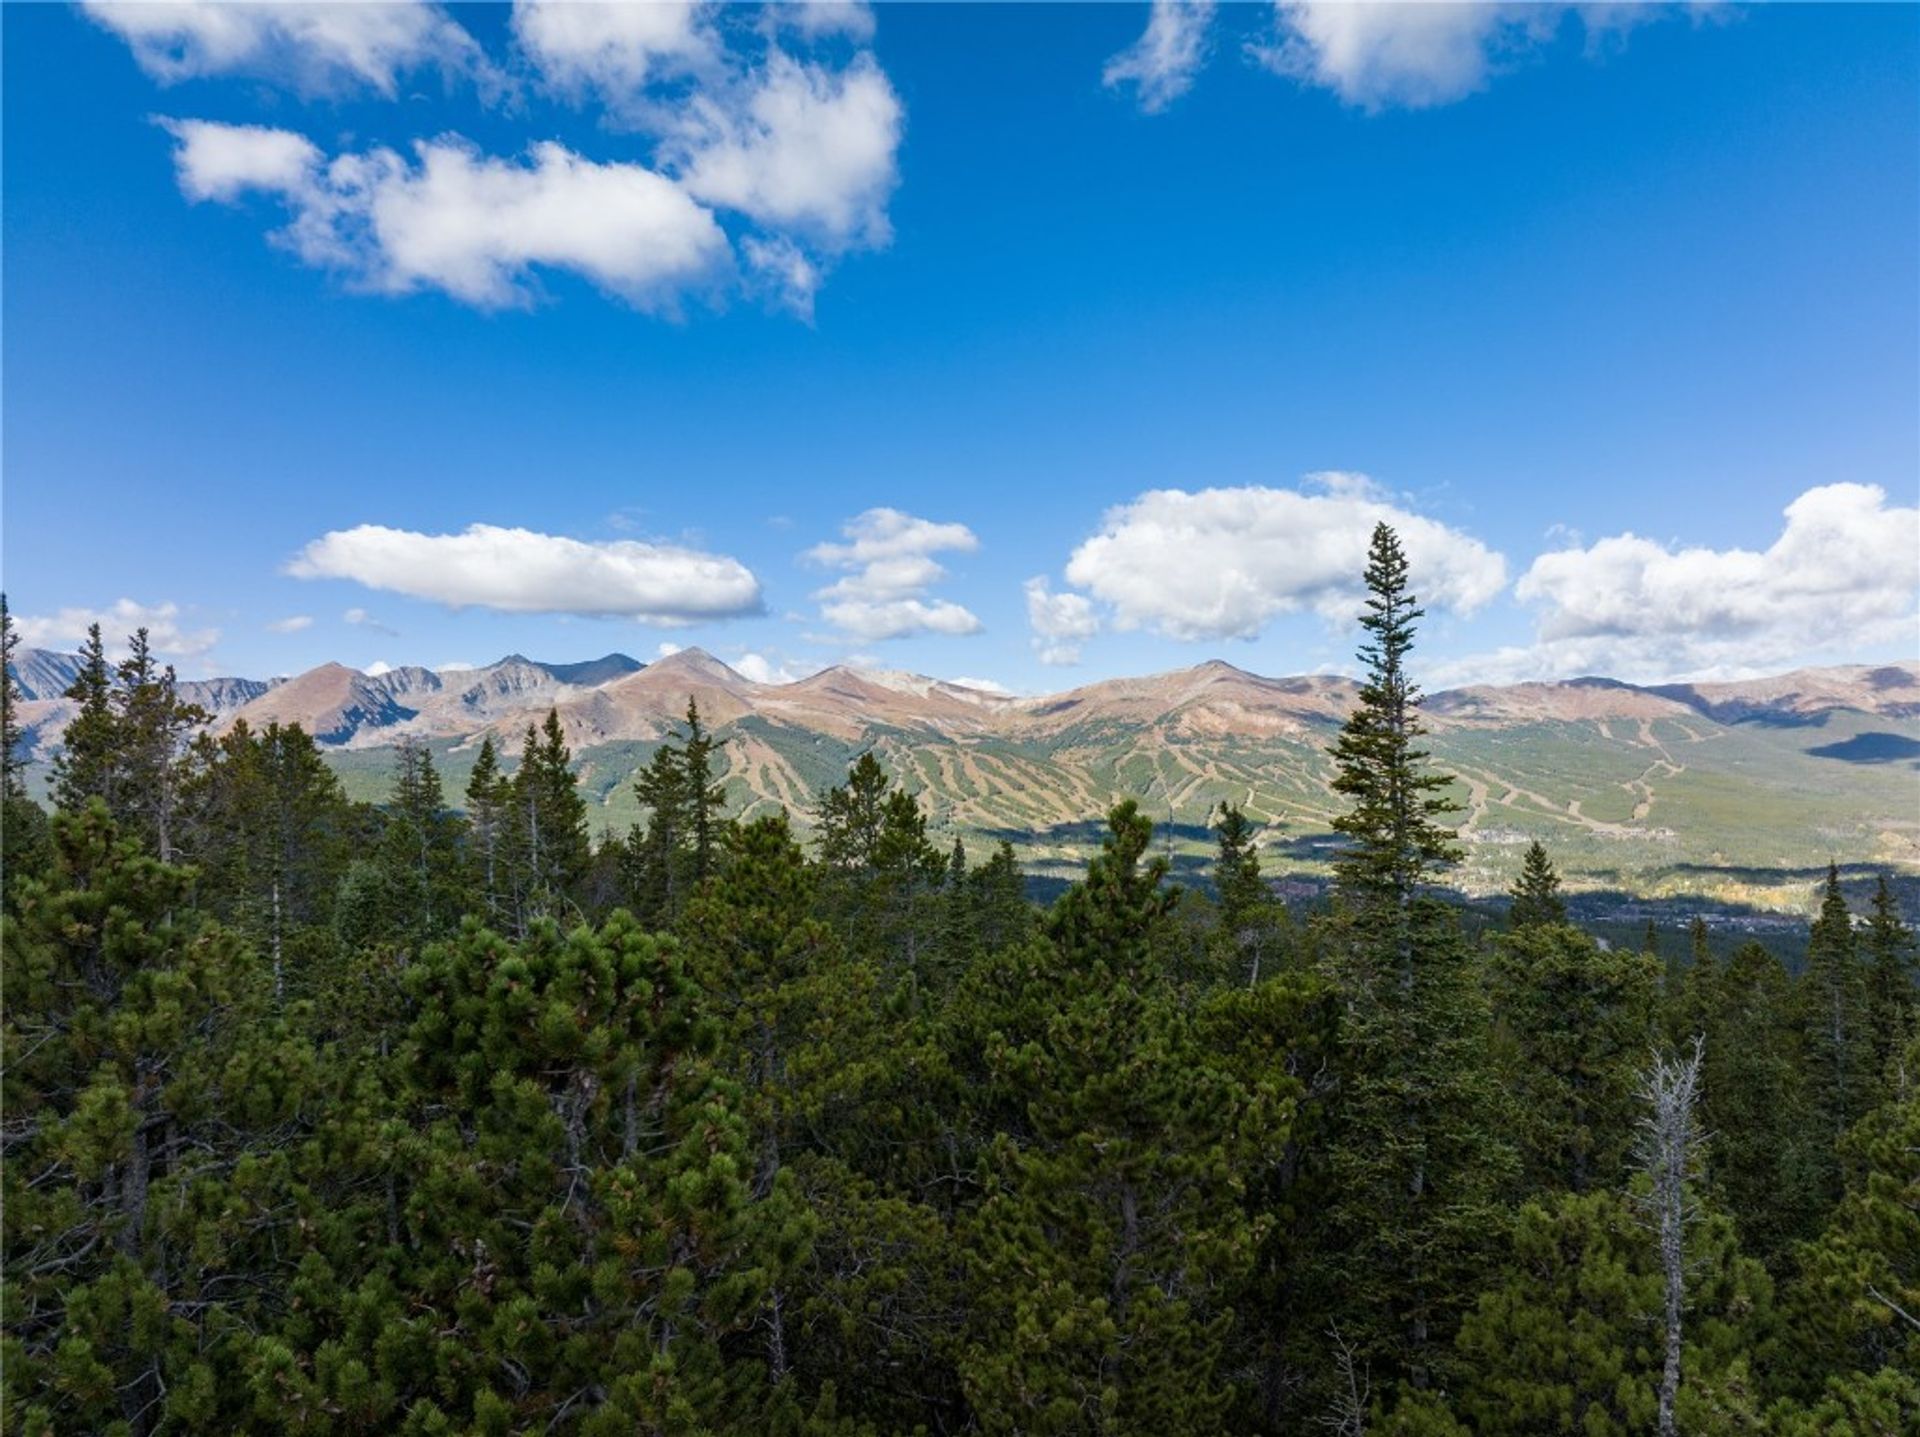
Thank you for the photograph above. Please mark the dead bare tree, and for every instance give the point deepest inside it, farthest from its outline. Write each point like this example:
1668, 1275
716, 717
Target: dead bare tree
1347, 1415
1669, 1153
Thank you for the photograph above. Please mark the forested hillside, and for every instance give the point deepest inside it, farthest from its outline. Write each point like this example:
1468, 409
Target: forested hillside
325, 1115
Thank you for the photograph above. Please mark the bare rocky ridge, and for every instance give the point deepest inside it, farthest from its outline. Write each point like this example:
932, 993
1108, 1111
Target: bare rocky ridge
615, 699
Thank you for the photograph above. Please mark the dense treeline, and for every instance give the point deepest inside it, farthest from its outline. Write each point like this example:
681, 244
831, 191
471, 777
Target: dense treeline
329, 1118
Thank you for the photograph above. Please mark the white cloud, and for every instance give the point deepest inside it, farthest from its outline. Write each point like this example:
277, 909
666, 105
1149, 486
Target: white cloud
772, 668
315, 47
798, 150
292, 624
522, 572
377, 668
817, 18
1418, 53
784, 270
797, 146
1843, 577
67, 629
361, 619
1161, 64
889, 566
1061, 623
1220, 563
615, 51
985, 686
454, 219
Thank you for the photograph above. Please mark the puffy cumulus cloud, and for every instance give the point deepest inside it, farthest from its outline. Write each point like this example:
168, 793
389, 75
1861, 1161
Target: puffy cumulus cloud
215, 161
1842, 577
615, 51
888, 565
1399, 53
292, 624
766, 157
771, 668
473, 225
1220, 563
797, 146
1061, 623
1409, 54
166, 633
315, 47
1161, 64
522, 572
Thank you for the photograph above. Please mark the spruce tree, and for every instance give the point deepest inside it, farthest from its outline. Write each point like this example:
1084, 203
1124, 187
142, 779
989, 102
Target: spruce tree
22, 823
1536, 894
705, 800
1249, 917
1771, 1148
1889, 946
1395, 824
489, 805
11, 759
1831, 999
551, 821
89, 764
850, 817
1574, 1022
151, 726
1418, 1160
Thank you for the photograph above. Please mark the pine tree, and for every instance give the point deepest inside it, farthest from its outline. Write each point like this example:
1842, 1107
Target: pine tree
1395, 825
550, 819
1832, 1000
89, 763
151, 726
1574, 1021
148, 1091
11, 761
705, 800
1249, 918
1536, 894
1418, 1159
417, 867
1000, 899
1769, 1141
271, 835
1890, 995
1857, 1303
489, 809
773, 976
22, 823
1559, 1342
849, 818
1116, 1217
960, 917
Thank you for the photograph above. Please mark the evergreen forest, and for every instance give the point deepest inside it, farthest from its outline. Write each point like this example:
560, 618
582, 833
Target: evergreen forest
445, 1115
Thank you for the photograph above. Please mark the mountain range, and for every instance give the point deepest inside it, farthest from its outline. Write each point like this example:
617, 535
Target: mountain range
1735, 790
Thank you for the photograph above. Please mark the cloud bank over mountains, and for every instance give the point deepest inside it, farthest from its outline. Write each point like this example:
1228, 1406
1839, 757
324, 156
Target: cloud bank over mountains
768, 140
1840, 580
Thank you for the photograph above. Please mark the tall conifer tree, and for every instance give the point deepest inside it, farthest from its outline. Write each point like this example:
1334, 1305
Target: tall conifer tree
1536, 895
1419, 1161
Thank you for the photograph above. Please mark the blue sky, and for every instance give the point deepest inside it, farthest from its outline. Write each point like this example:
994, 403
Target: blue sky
1620, 328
